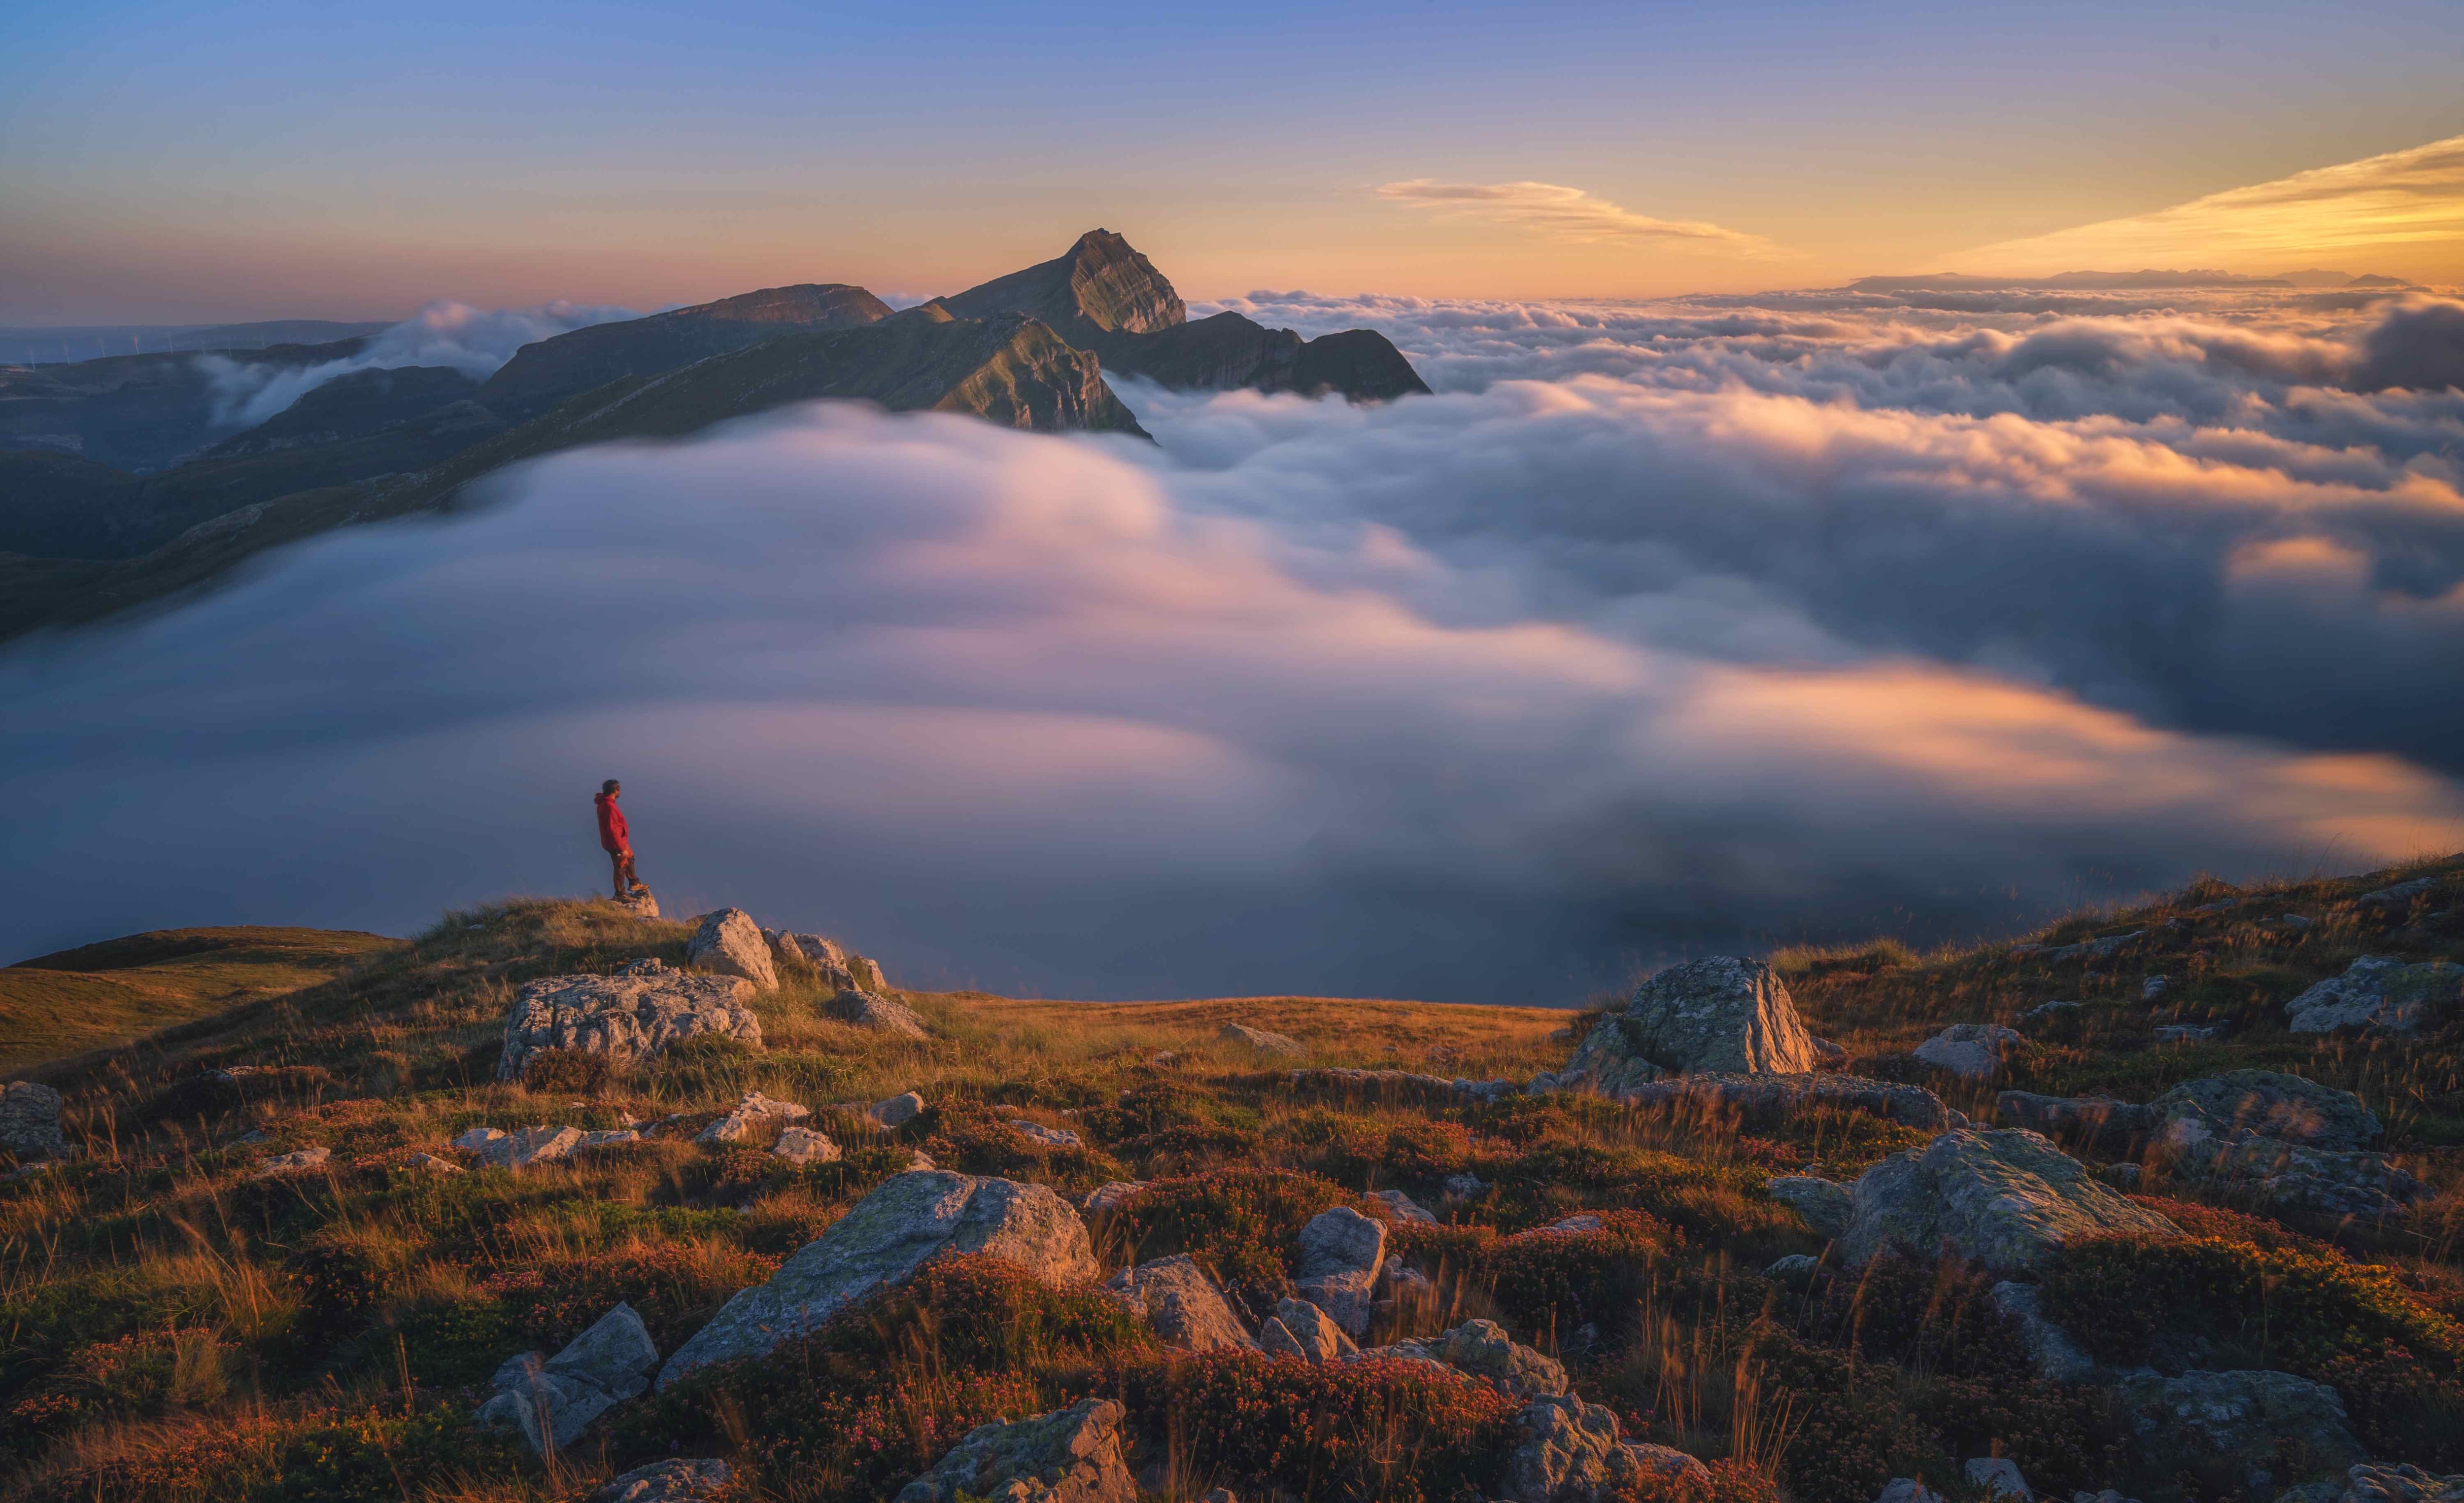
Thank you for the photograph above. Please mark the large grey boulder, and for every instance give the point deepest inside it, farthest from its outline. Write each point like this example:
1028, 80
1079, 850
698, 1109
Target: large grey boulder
2005, 1196
1336, 1270
2287, 1107
2380, 992
1726, 1014
552, 1401
628, 1018
881, 1240
840, 968
666, 1482
1975, 1051
1070, 1455
1572, 1452
1300, 1329
1825, 1206
2293, 1144
29, 1122
2245, 1420
729, 943
1182, 1304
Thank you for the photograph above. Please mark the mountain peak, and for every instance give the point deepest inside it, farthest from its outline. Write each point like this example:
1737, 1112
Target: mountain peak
1102, 284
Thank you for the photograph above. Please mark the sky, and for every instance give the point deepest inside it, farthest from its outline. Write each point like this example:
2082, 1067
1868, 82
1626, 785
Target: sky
166, 163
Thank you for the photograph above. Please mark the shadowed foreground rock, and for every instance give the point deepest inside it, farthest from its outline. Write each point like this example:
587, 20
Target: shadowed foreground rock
1070, 1455
551, 1400
2381, 993
1482, 1349
2006, 1196
2245, 1421
1571, 1454
628, 1018
666, 1482
883, 1239
1722, 1015
30, 1121
1336, 1270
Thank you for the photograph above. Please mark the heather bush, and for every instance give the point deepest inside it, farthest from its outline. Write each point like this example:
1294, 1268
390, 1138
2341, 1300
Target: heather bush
1377, 1430
1240, 1224
317, 1455
674, 1287
1544, 1280
142, 1374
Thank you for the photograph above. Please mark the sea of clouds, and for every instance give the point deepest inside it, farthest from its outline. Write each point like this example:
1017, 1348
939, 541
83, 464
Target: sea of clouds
1661, 629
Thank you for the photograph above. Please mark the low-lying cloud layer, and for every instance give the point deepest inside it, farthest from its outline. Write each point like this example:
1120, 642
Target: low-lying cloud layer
1661, 629
473, 341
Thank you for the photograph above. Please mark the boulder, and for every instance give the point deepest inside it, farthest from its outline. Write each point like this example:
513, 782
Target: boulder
883, 1239
628, 1018
1483, 1350
1405, 1208
641, 905
1463, 1186
529, 1146
876, 1013
1182, 1304
1070, 1455
1300, 1329
294, 1162
29, 1122
1260, 1039
1046, 1136
476, 1138
729, 943
2399, 898
2379, 993
2244, 1420
552, 1401
2050, 1348
803, 1145
2398, 1484
1974, 1051
2284, 1107
1778, 1097
2293, 1144
895, 1112
1906, 1489
666, 1482
2005, 1196
1824, 1205
1722, 1015
2290, 1179
1336, 1270
1999, 1478
613, 1137
749, 1116
1112, 1194
1570, 1452
2154, 987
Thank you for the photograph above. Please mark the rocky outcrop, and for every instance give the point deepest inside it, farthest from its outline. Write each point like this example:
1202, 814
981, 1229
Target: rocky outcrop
1572, 1452
840, 969
642, 903
1070, 1455
1182, 1304
666, 1482
1336, 1270
1112, 1194
1300, 1329
2242, 1420
1260, 1039
531, 1145
29, 1122
1825, 1206
2051, 1351
1725, 1015
750, 1117
551, 1400
877, 1014
2007, 1197
1775, 1098
729, 943
2089, 1122
1974, 1051
628, 1018
2381, 993
2287, 1107
1482, 1349
883, 1239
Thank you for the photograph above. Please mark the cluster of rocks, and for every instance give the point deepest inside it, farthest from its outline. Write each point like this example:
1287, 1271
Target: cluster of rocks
524, 1147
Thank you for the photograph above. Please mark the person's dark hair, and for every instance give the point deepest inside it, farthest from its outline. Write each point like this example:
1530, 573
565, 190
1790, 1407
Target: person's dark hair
608, 786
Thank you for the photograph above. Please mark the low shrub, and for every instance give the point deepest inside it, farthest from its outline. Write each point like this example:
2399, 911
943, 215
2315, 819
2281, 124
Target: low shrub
1541, 1279
144, 1374
318, 1455
1240, 1224
1377, 1430
566, 1071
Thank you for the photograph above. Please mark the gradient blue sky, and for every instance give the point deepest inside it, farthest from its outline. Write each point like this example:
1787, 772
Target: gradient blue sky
180, 162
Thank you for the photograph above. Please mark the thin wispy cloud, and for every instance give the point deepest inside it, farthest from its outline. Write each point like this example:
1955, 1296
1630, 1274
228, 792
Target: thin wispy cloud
1571, 215
2405, 206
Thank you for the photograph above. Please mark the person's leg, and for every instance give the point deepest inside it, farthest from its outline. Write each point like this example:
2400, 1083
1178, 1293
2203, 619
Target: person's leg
616, 858
631, 881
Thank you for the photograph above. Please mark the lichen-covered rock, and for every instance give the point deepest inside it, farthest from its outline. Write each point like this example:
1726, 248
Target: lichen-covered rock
1571, 1454
896, 1112
2380, 992
1182, 1304
1482, 1349
803, 1145
2292, 1143
1974, 1051
666, 1482
1300, 1329
550, 1401
882, 1239
2006, 1196
1260, 1039
628, 1018
1046, 1136
1070, 1455
877, 1014
531, 1145
1722, 1015
729, 943
29, 1122
1336, 1270
1405, 1208
750, 1116
2050, 1348
2244, 1420
2274, 1105
1825, 1206
1112, 1194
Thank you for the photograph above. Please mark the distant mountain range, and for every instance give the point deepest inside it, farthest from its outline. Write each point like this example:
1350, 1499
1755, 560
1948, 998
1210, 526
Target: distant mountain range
119, 483
2114, 281
45, 343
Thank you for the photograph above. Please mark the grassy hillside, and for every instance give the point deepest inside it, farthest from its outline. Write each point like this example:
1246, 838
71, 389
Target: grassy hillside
173, 1324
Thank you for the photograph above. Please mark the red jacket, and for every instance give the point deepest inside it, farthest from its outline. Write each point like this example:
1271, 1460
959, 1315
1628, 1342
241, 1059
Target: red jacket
612, 835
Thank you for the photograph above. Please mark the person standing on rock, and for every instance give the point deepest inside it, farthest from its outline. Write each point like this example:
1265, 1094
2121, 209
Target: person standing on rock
616, 840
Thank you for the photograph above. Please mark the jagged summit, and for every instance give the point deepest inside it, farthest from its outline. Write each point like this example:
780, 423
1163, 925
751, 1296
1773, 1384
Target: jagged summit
1100, 285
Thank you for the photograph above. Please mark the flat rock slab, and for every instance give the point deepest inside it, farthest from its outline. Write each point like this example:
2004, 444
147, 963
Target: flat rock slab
881, 1240
532, 1146
551, 1400
1826, 1206
2006, 1196
628, 1019
1482, 1349
2241, 1419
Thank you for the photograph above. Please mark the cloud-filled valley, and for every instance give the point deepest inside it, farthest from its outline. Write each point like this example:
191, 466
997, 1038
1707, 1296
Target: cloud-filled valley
1661, 627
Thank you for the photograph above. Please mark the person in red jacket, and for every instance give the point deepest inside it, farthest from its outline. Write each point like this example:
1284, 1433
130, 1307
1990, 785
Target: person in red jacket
615, 839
